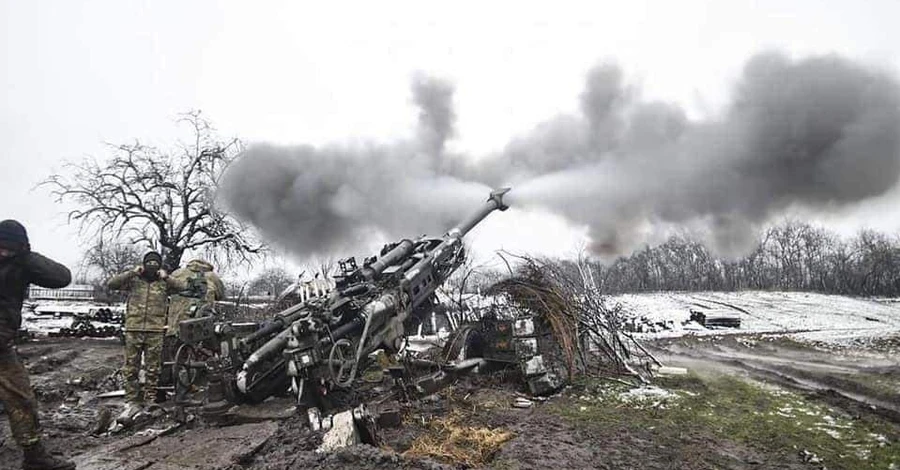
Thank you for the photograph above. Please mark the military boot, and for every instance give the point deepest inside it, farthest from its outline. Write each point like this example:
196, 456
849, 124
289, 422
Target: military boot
37, 458
131, 409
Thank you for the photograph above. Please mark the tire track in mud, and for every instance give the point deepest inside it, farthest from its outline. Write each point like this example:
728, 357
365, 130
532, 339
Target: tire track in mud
794, 379
831, 388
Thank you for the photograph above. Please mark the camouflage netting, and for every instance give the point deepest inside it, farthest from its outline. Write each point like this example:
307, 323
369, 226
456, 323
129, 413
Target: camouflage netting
587, 329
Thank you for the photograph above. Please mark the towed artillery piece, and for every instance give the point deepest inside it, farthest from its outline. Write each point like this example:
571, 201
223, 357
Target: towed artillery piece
321, 345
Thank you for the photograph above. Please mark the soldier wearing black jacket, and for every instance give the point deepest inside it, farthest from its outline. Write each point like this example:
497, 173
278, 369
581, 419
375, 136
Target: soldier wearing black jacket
19, 267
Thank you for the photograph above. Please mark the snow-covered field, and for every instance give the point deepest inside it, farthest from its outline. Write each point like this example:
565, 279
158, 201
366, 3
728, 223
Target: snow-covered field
807, 316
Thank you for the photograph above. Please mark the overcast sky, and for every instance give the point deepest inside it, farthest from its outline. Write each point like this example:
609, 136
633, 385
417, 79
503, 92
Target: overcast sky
80, 73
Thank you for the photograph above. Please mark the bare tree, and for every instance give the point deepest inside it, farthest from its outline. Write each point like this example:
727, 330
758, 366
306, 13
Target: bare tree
461, 288
271, 281
162, 198
321, 267
792, 255
105, 259
877, 264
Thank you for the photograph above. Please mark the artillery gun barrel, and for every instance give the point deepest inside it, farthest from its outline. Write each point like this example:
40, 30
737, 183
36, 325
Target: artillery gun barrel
272, 348
420, 277
494, 202
405, 247
281, 320
281, 325
399, 252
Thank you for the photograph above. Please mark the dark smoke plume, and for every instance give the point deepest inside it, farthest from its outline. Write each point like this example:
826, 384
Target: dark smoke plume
333, 199
434, 98
817, 133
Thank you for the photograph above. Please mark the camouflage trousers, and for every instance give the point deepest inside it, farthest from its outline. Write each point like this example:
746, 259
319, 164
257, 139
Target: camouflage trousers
141, 348
18, 399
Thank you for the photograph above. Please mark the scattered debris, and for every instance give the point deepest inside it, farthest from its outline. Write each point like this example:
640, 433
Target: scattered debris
523, 403
342, 433
809, 457
112, 394
716, 318
670, 371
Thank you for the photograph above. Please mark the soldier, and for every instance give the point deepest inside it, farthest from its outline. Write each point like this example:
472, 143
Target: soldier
203, 289
148, 288
19, 266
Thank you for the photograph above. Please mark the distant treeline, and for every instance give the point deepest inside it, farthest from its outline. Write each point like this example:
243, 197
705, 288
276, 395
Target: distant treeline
791, 256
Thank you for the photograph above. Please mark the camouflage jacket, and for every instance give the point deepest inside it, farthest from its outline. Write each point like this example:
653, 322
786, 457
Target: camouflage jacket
147, 300
16, 273
202, 287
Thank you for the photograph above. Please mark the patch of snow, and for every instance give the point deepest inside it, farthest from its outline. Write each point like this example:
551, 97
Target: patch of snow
881, 439
646, 393
831, 432
830, 319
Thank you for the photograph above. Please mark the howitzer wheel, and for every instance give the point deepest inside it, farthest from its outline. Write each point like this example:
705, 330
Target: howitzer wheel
341, 360
184, 370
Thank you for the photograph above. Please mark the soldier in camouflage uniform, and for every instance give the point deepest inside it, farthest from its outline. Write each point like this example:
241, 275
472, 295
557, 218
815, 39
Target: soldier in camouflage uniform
19, 267
203, 289
148, 289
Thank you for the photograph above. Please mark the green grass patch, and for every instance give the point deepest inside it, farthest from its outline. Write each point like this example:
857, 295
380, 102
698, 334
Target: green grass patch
729, 408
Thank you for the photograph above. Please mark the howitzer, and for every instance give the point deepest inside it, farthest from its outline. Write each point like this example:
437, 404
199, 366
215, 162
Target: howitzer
323, 343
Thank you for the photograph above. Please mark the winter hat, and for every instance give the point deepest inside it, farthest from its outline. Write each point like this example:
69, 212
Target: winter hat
13, 235
153, 255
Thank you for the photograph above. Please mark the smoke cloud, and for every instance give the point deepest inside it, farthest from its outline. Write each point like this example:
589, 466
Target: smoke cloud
818, 133
434, 98
333, 199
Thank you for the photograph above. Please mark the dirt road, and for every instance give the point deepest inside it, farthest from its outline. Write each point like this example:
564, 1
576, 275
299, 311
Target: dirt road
860, 377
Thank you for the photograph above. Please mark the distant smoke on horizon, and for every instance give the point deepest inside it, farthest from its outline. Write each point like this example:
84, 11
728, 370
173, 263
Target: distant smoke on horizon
818, 133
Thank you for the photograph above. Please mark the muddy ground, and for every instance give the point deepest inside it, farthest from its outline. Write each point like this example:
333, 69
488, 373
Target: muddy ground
65, 374
748, 401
